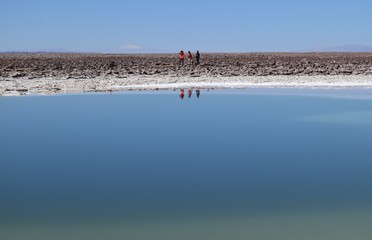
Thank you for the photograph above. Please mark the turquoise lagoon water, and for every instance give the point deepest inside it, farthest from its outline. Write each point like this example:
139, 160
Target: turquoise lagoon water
243, 164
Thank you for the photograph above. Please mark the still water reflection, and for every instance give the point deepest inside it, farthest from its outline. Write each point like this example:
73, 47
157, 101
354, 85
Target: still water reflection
189, 93
231, 165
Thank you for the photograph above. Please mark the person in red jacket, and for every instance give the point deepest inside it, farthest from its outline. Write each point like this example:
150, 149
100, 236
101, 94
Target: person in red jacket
189, 58
189, 93
182, 57
182, 93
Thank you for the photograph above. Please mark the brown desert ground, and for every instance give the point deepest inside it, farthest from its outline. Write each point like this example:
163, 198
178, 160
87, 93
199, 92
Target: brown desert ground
47, 73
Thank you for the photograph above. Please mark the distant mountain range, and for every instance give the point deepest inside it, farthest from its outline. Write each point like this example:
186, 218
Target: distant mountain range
51, 50
341, 48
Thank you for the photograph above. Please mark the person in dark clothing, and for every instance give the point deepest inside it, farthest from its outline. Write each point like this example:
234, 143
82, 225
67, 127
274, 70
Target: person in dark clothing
197, 93
197, 57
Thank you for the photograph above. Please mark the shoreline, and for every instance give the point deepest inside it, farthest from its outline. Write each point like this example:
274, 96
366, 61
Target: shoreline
55, 85
53, 73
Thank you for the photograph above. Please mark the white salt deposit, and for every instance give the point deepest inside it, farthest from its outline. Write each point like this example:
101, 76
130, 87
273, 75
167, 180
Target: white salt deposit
22, 86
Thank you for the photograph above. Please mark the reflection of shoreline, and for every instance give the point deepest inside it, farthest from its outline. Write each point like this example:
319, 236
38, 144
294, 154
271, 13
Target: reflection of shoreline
54, 85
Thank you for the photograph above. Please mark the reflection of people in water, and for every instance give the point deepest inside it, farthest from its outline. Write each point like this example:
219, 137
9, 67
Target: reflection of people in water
189, 93
182, 93
197, 93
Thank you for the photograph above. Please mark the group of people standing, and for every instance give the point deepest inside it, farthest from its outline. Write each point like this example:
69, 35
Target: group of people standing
189, 93
189, 62
189, 58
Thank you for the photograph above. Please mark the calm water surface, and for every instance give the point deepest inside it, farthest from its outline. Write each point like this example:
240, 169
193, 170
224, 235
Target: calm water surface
244, 164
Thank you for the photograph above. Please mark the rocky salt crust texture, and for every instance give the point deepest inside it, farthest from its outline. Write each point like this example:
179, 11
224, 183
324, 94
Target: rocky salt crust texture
50, 73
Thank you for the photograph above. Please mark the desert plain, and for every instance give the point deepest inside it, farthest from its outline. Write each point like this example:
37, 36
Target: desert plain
57, 73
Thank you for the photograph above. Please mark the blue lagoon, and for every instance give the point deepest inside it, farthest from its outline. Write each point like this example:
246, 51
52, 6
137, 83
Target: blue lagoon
232, 164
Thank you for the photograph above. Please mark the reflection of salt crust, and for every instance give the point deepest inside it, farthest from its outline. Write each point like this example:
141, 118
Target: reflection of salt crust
59, 85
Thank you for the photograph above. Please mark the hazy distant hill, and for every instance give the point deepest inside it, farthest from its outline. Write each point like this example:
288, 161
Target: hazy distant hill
341, 48
49, 50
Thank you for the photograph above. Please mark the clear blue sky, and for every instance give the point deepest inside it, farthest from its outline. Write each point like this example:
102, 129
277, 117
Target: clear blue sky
171, 25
